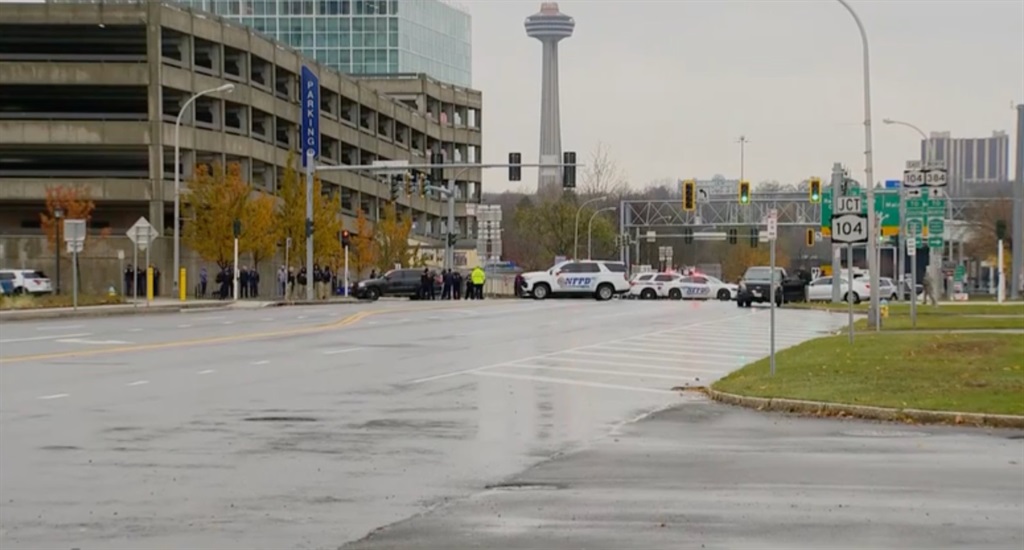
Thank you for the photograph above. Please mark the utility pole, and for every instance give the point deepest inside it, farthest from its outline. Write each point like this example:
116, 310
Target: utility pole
1017, 235
837, 188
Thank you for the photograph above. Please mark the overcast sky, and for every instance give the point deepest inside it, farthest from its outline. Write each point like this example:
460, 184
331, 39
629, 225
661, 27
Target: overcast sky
670, 85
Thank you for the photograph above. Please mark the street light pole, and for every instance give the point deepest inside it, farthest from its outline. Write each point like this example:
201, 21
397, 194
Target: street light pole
58, 214
576, 225
869, 171
590, 229
177, 175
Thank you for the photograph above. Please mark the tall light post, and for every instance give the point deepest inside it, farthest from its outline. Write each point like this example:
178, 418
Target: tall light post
590, 229
177, 175
902, 238
58, 215
869, 171
576, 225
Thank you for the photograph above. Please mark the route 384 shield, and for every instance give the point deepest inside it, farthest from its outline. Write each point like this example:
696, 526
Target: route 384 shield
850, 228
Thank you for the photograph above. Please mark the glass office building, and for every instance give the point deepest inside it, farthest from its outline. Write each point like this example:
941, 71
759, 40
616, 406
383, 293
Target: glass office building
364, 37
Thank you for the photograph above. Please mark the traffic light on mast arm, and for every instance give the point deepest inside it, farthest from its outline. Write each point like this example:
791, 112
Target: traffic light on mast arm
515, 172
689, 195
815, 190
744, 192
408, 183
569, 170
810, 237
345, 238
733, 235
396, 186
423, 185
755, 237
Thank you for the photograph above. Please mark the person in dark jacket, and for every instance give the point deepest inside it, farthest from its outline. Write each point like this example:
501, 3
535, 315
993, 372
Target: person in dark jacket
254, 283
456, 285
425, 283
243, 282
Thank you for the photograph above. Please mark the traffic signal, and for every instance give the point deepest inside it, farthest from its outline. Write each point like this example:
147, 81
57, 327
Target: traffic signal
345, 239
436, 173
396, 188
423, 185
733, 235
744, 192
689, 195
1001, 229
408, 183
452, 237
569, 171
754, 237
688, 235
810, 237
236, 228
515, 172
815, 190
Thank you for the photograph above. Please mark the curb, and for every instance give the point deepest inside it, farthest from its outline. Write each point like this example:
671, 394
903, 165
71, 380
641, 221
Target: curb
908, 416
88, 311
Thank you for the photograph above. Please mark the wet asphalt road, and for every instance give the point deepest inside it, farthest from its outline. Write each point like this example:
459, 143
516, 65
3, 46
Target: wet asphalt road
311, 427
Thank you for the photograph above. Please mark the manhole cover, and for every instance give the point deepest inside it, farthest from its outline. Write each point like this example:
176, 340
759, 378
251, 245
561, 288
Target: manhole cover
523, 486
280, 419
883, 433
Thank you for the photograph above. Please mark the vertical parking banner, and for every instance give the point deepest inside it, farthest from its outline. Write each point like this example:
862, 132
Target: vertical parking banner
309, 131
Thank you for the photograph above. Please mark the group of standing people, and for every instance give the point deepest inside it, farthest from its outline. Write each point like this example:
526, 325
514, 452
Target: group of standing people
135, 278
292, 283
453, 285
248, 283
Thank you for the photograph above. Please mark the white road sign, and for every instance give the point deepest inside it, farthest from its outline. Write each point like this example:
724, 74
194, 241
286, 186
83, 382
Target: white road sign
74, 231
911, 246
935, 178
913, 178
142, 233
850, 228
848, 205
75, 246
773, 224
651, 236
914, 165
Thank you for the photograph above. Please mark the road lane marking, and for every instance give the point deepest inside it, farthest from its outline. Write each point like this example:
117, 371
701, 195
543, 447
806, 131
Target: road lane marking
632, 374
184, 326
228, 323
92, 342
580, 349
60, 327
54, 396
135, 330
570, 382
207, 371
138, 383
40, 338
267, 319
263, 362
632, 365
340, 323
337, 351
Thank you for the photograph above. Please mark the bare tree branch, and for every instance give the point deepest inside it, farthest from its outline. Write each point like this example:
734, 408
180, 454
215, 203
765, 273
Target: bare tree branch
602, 175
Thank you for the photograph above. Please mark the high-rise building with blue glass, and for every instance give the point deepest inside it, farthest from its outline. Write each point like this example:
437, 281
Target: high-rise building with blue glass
364, 37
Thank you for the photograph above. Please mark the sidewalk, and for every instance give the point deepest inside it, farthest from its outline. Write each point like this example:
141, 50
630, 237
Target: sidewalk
161, 305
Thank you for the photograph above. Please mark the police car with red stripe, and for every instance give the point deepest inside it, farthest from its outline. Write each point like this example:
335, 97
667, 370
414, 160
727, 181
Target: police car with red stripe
598, 278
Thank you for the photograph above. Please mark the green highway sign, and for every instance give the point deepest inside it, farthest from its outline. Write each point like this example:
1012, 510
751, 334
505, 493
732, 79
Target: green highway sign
936, 229
887, 206
960, 273
915, 226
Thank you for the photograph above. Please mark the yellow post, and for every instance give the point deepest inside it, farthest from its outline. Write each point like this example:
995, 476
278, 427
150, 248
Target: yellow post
149, 284
181, 285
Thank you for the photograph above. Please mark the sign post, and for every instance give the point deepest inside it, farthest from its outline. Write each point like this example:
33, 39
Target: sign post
912, 255
236, 228
120, 269
141, 234
849, 226
309, 83
773, 233
74, 236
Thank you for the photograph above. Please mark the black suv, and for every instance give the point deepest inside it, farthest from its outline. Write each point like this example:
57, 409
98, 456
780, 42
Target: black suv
402, 283
756, 286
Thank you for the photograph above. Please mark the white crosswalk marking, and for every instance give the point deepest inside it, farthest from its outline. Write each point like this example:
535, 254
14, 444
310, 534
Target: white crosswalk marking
696, 354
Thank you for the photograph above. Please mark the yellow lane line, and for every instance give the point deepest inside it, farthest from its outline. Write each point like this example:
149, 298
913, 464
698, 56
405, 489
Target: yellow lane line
350, 320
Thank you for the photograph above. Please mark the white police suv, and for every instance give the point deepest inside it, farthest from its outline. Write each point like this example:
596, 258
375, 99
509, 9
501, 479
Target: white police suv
598, 278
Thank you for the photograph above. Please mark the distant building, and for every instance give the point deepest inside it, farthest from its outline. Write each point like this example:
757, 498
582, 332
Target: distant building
360, 37
970, 160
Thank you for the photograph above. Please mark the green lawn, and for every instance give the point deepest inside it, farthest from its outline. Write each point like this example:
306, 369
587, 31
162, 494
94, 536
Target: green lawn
953, 372
1010, 308
947, 322
64, 300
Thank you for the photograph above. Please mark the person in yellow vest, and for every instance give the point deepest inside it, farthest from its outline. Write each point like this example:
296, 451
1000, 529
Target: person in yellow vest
478, 277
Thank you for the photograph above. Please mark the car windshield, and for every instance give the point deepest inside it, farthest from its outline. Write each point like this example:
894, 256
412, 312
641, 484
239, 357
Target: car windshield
761, 274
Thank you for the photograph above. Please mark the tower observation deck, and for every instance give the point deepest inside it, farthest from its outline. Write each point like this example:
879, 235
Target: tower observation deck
550, 26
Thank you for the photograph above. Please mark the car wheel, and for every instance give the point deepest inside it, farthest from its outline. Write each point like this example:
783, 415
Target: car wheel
372, 294
648, 294
675, 294
605, 292
541, 291
852, 296
724, 295
19, 291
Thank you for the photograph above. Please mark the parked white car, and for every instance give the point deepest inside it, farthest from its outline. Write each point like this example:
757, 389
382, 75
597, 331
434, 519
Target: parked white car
652, 286
27, 281
599, 278
643, 286
718, 288
820, 290
687, 287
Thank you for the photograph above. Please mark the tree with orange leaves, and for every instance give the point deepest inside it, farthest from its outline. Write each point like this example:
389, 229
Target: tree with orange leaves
75, 203
215, 199
364, 245
260, 231
393, 240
